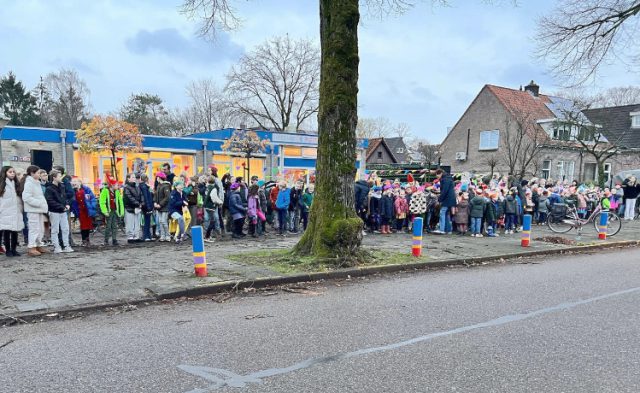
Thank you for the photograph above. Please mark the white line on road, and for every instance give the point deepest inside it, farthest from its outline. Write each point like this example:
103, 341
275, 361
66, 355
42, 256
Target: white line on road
220, 377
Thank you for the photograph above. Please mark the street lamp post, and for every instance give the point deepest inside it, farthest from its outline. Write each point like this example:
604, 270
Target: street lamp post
3, 123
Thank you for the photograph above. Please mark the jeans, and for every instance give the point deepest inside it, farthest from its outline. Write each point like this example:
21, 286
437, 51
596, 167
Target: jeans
294, 220
178, 217
10, 241
282, 220
111, 227
237, 226
305, 219
163, 225
476, 225
146, 231
214, 222
630, 209
509, 222
132, 224
59, 223
542, 218
445, 220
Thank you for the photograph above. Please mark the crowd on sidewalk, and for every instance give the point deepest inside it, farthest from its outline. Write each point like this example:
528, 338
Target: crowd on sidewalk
44, 207
481, 206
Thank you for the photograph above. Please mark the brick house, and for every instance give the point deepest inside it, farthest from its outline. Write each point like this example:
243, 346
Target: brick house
500, 118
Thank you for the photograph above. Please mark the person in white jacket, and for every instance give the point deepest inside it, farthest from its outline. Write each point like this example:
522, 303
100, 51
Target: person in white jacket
11, 221
35, 205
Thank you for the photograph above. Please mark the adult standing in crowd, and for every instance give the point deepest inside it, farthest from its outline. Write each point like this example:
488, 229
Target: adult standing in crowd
631, 189
35, 205
447, 201
11, 221
362, 189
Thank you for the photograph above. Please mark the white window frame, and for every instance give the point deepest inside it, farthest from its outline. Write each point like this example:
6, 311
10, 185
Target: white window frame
489, 140
566, 170
546, 169
635, 119
607, 172
399, 150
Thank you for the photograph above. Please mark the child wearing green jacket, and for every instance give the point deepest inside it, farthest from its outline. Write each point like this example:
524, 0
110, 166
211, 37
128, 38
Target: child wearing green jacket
111, 207
307, 200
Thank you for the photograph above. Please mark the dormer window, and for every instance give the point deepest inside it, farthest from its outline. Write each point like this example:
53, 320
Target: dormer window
635, 119
399, 150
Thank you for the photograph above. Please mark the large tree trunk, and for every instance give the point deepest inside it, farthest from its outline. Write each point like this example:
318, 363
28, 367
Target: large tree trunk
334, 229
601, 179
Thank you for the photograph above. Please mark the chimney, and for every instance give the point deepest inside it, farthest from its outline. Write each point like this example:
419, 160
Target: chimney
532, 88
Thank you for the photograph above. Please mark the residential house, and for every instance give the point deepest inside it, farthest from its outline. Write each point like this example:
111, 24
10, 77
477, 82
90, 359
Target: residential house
502, 128
379, 152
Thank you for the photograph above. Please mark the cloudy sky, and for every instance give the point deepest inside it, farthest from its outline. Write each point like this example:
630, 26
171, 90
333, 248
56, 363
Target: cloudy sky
423, 67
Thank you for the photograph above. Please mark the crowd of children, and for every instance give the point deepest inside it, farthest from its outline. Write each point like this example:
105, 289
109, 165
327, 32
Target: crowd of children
43, 206
481, 206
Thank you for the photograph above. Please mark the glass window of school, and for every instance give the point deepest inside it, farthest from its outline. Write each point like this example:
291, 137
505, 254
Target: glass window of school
489, 140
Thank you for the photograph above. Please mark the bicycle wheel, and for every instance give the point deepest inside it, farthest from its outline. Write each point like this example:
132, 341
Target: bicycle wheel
614, 224
560, 225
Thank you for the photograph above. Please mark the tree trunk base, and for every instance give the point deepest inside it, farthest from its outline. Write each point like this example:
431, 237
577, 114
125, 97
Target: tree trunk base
339, 241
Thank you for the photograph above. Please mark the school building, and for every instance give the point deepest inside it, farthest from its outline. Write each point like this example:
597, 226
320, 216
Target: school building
288, 156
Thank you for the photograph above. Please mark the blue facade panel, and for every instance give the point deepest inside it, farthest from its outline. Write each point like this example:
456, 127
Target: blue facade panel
299, 163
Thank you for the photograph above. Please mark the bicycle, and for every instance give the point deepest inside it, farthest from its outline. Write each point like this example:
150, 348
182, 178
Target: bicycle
564, 218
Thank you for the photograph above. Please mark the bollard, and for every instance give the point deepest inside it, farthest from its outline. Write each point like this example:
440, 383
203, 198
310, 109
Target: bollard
199, 255
416, 245
602, 228
526, 230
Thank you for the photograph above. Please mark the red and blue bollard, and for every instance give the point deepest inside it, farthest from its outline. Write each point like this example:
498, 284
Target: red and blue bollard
603, 224
199, 255
526, 230
416, 244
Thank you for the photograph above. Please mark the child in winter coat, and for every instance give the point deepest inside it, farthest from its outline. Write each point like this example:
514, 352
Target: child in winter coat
253, 203
510, 211
35, 205
11, 221
84, 206
58, 212
543, 207
386, 210
490, 215
307, 201
461, 218
177, 202
161, 196
476, 211
375, 202
401, 209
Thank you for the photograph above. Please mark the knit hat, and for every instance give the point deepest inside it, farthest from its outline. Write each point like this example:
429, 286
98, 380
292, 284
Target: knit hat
387, 187
376, 188
161, 175
479, 191
178, 183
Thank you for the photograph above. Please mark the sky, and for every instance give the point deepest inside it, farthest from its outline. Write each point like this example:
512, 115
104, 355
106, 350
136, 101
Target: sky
423, 67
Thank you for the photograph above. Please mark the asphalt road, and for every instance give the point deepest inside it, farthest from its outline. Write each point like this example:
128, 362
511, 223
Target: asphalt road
565, 324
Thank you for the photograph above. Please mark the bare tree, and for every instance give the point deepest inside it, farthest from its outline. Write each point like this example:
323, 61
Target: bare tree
68, 99
379, 127
426, 149
522, 142
492, 161
617, 96
214, 15
276, 85
587, 136
210, 106
402, 130
580, 35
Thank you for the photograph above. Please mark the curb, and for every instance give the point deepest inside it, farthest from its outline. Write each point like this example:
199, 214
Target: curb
227, 286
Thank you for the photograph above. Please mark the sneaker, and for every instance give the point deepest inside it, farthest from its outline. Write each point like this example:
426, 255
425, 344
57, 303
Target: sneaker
437, 232
364, 233
57, 250
67, 250
479, 235
147, 240
208, 240
115, 243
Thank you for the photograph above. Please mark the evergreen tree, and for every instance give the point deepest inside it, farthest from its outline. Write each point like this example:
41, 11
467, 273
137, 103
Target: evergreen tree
16, 103
147, 111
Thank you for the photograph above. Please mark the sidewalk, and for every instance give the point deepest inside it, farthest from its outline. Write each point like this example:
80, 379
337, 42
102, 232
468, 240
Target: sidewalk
100, 276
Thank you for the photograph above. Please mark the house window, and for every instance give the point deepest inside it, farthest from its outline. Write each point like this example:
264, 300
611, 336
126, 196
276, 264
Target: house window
399, 150
489, 140
565, 170
546, 169
635, 119
607, 172
562, 133
379, 155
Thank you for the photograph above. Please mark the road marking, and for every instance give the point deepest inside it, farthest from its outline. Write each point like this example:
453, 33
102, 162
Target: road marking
220, 378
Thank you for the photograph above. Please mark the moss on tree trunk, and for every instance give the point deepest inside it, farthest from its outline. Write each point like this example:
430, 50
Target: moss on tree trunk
334, 229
